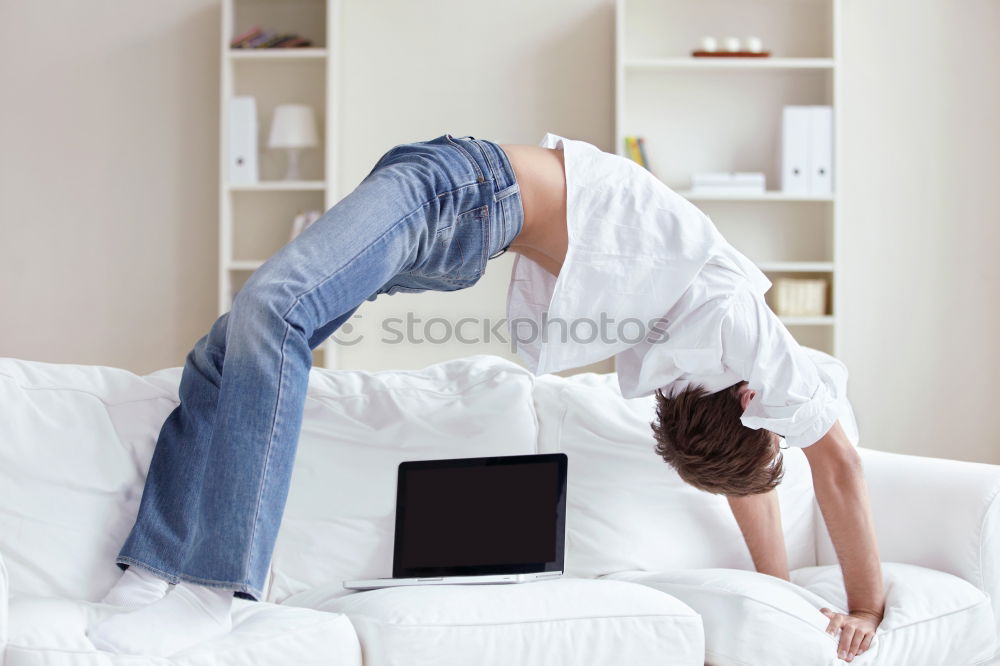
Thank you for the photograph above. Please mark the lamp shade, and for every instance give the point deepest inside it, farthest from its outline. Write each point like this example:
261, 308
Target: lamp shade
293, 126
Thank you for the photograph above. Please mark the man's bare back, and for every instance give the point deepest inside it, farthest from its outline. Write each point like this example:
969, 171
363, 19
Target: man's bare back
541, 174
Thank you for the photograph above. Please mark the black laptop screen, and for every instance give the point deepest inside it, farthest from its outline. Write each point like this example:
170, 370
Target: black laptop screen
475, 516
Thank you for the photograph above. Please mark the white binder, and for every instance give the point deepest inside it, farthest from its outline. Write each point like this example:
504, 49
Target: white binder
821, 150
795, 143
242, 141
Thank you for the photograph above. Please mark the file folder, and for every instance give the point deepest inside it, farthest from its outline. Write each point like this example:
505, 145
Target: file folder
242, 141
795, 166
821, 150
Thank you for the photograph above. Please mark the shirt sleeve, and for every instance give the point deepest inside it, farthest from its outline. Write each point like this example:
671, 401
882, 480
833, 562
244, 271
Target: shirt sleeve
796, 397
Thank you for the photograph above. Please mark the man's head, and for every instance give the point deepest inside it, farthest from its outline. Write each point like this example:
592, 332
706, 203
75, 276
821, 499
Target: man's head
701, 436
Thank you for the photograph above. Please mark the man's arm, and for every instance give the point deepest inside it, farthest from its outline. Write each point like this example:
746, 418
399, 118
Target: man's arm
797, 400
838, 481
759, 518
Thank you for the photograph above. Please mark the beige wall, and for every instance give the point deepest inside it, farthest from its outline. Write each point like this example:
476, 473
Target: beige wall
921, 221
507, 72
108, 175
108, 179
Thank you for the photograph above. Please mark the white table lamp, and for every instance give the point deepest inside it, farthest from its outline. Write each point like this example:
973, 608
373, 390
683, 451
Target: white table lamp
293, 128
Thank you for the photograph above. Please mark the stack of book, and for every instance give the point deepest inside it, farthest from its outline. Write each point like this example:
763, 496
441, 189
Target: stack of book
635, 148
749, 182
257, 38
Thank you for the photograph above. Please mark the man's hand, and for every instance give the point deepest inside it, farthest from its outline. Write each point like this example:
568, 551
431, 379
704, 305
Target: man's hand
843, 500
856, 631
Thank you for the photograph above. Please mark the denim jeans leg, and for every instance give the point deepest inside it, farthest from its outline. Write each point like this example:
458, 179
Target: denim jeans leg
218, 480
427, 217
182, 452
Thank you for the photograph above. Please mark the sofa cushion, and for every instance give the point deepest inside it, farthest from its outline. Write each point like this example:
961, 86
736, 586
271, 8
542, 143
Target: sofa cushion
751, 619
357, 427
50, 631
75, 444
627, 509
548, 623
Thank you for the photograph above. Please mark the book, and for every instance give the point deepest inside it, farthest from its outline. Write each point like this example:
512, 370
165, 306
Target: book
632, 150
240, 40
255, 38
751, 182
256, 41
274, 41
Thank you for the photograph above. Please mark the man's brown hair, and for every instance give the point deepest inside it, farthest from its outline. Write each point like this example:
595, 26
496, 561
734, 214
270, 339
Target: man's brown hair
701, 436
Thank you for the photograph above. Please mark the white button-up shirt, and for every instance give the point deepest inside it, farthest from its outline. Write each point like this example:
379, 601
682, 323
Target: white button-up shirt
648, 279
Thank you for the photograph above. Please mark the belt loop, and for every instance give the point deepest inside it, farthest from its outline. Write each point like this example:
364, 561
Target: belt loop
480, 177
502, 207
489, 163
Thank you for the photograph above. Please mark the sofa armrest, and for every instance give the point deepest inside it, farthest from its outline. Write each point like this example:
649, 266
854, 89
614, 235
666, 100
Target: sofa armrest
935, 513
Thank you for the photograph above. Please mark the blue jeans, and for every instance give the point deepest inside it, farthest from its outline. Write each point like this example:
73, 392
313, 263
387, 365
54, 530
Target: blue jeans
427, 217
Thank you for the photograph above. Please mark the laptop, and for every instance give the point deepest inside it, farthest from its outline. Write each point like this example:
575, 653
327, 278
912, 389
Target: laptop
473, 521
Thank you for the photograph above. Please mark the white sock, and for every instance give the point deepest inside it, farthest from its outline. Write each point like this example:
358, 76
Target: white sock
135, 589
189, 614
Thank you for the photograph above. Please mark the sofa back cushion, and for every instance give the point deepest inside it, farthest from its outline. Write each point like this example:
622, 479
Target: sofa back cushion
76, 441
626, 508
357, 427
75, 444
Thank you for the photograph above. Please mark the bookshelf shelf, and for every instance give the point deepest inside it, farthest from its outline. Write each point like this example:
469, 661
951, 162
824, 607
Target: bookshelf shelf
766, 196
822, 320
724, 114
796, 266
244, 265
729, 63
276, 54
279, 186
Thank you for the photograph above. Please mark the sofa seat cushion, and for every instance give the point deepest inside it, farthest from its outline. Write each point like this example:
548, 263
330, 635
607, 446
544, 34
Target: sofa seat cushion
564, 621
751, 619
47, 631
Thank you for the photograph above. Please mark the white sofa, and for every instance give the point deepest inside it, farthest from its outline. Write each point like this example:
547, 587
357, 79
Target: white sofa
657, 571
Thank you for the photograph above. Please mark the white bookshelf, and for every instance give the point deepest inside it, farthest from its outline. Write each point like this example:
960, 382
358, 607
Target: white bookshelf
724, 114
255, 220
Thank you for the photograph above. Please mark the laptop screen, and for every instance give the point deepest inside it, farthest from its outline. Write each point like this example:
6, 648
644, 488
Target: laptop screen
480, 516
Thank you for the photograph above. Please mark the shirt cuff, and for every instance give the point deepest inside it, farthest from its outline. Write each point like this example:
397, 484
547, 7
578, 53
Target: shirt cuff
800, 425
816, 428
